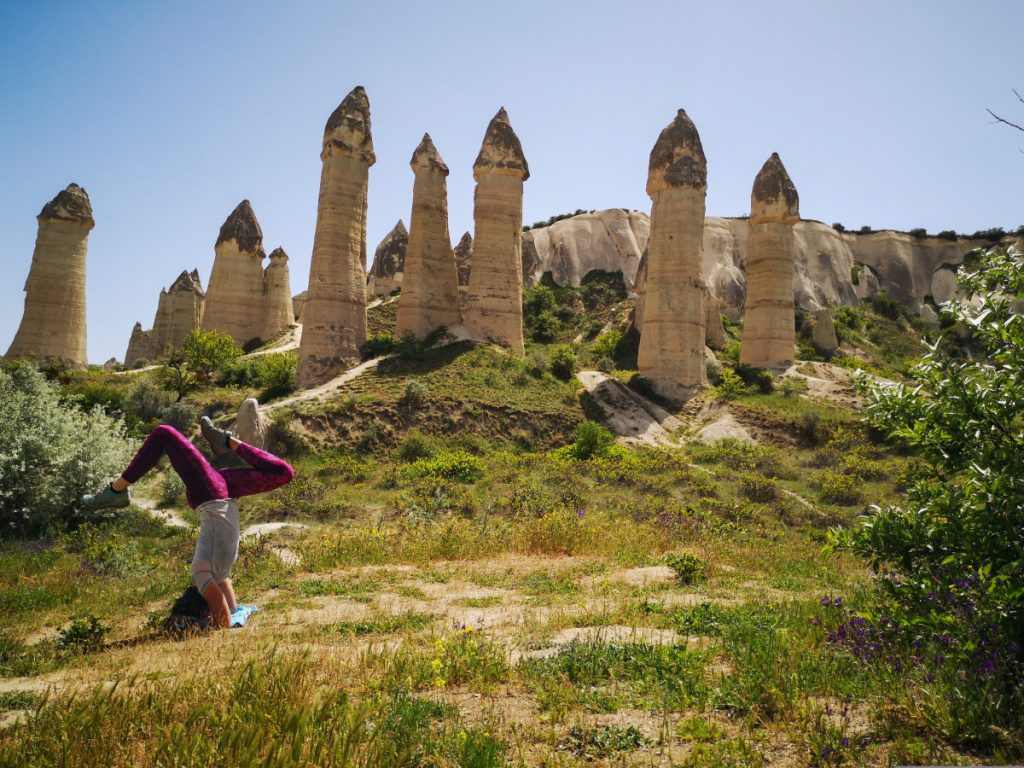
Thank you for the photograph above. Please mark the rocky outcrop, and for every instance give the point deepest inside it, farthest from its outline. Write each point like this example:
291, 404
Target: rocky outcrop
235, 298
463, 266
611, 241
671, 353
334, 313
278, 312
179, 311
298, 302
494, 301
824, 338
388, 268
769, 330
714, 331
251, 426
53, 323
828, 265
430, 292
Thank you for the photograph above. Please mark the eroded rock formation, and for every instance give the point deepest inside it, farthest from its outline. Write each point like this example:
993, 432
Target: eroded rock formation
234, 302
824, 337
388, 268
251, 426
463, 266
334, 312
714, 331
179, 311
278, 311
430, 286
829, 265
53, 323
494, 301
769, 331
671, 353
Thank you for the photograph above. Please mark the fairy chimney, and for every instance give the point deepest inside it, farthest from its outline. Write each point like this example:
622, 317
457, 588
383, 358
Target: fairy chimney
714, 331
278, 312
334, 313
769, 329
671, 353
53, 323
234, 300
430, 285
140, 346
494, 301
463, 264
388, 268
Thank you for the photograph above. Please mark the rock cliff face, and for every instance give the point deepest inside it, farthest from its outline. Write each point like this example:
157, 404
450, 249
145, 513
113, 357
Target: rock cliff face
235, 300
494, 301
179, 311
769, 335
430, 293
671, 353
824, 260
53, 323
388, 268
278, 312
335, 308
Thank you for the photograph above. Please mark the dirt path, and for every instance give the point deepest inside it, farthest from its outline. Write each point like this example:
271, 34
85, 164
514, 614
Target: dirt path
633, 419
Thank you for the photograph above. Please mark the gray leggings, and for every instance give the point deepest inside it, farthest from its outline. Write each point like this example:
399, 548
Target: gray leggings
217, 547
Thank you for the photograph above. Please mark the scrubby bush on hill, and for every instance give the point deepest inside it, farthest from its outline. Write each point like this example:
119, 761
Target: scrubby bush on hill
50, 453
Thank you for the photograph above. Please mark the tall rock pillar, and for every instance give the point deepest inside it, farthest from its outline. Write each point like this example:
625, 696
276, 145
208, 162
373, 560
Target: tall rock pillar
671, 353
234, 298
494, 301
278, 312
769, 328
430, 285
53, 324
334, 313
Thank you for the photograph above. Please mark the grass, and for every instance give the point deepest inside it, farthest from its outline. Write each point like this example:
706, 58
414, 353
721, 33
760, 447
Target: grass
417, 514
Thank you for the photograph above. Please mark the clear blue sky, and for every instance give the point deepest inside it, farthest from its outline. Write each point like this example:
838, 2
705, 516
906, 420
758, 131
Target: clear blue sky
169, 114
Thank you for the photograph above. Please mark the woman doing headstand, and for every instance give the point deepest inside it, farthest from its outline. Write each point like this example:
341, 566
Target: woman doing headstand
211, 492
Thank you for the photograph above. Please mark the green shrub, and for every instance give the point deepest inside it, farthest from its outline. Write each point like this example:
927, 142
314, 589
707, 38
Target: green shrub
145, 402
730, 385
50, 453
592, 439
380, 344
791, 385
838, 488
88, 394
415, 446
275, 374
947, 234
919, 233
545, 327
180, 415
82, 635
207, 352
759, 488
607, 345
838, 227
459, 466
689, 569
415, 393
564, 362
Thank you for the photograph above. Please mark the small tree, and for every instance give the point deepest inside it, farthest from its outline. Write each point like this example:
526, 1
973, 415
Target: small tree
207, 352
950, 559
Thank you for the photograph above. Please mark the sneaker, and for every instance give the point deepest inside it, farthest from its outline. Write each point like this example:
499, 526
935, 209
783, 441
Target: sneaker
108, 498
215, 436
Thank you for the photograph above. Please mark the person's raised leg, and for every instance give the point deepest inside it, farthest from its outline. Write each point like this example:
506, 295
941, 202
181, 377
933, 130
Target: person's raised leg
268, 471
229, 594
202, 481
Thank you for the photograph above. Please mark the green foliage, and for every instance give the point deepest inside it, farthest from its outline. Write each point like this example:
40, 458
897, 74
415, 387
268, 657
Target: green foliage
545, 327
145, 402
757, 487
83, 635
415, 445
415, 393
180, 415
950, 560
50, 453
538, 299
104, 551
592, 439
886, 306
840, 488
207, 352
729, 384
918, 233
273, 373
947, 234
838, 227
607, 345
791, 386
87, 394
381, 344
549, 221
564, 362
689, 569
458, 466
604, 741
